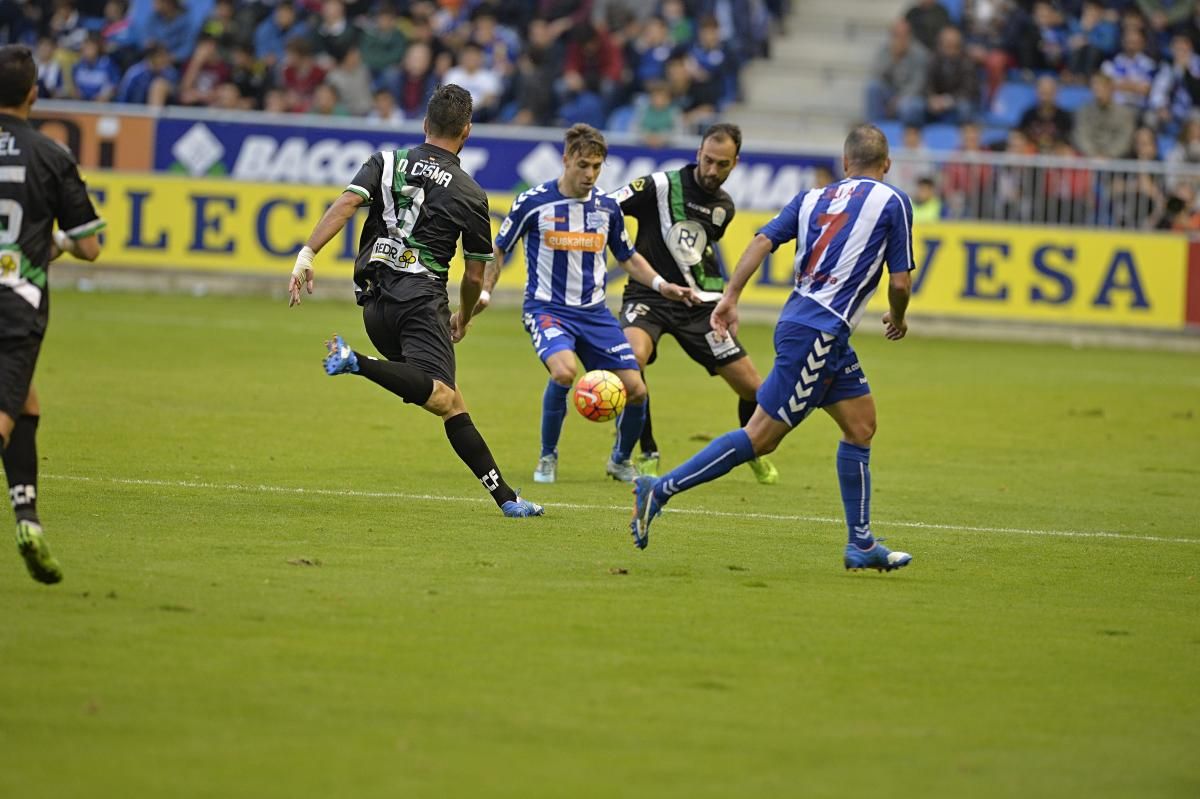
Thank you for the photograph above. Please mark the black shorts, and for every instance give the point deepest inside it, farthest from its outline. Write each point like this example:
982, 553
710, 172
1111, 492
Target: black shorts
689, 326
18, 357
409, 322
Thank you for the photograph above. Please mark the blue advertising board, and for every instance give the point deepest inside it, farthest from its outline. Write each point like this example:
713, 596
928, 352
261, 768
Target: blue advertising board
289, 153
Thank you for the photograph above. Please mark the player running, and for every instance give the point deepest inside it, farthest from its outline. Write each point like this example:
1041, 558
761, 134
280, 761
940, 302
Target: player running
844, 233
567, 224
421, 202
680, 215
39, 185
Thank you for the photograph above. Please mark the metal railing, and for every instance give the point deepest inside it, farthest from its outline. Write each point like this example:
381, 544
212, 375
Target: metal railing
1053, 190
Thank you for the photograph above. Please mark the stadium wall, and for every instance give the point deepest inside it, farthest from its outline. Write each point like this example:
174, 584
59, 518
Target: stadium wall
968, 271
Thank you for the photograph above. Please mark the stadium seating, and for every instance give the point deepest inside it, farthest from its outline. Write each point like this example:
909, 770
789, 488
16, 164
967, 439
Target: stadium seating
1010, 102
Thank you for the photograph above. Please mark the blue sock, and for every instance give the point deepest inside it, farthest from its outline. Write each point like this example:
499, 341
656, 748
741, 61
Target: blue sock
629, 430
721, 455
554, 411
854, 476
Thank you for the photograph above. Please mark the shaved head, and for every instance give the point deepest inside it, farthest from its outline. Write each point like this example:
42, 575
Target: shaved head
866, 148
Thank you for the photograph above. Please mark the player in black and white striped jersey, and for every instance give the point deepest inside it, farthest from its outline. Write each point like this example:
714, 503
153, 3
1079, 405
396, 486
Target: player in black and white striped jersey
421, 203
39, 186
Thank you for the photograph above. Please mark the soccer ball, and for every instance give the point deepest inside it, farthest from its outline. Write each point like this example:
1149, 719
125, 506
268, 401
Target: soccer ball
599, 395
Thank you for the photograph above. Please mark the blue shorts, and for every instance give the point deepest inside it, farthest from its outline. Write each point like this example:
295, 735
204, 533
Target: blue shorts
592, 333
812, 369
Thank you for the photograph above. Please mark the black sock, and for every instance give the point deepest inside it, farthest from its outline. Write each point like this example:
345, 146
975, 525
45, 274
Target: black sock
20, 464
648, 444
407, 382
746, 410
473, 450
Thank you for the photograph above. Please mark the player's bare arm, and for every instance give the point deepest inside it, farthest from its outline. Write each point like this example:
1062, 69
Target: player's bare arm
899, 290
331, 223
640, 270
491, 274
85, 249
724, 319
469, 291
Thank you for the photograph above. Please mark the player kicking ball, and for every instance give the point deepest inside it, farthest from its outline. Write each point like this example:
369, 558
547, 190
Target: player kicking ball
844, 234
421, 202
680, 215
567, 225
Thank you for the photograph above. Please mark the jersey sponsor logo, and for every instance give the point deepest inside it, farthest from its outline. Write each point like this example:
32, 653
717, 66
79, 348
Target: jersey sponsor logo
638, 184
687, 241
720, 346
393, 253
718, 216
703, 209
575, 241
8, 264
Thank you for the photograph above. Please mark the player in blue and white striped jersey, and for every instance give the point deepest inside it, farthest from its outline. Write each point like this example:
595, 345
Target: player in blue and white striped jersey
567, 225
844, 234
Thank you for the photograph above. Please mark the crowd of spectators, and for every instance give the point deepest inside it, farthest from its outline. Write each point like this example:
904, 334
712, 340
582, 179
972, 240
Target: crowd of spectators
653, 66
1131, 66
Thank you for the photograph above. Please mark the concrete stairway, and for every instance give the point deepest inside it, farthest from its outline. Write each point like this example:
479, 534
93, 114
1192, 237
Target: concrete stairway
810, 90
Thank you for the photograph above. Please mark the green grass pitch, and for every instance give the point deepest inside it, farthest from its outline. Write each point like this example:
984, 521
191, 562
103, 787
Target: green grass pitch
284, 585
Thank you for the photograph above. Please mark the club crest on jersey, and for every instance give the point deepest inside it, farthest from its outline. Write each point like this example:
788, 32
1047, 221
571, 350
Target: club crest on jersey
687, 241
596, 220
8, 264
718, 216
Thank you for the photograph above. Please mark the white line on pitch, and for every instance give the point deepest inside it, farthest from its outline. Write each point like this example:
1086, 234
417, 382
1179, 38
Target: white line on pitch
779, 517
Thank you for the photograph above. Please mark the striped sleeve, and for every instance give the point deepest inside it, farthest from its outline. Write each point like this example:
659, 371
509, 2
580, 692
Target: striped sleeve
899, 251
366, 182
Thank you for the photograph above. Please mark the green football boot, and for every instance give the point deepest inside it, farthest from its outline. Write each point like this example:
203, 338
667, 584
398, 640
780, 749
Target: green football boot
647, 464
764, 471
36, 552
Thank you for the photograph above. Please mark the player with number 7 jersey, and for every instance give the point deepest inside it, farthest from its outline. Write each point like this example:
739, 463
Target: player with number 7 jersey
845, 233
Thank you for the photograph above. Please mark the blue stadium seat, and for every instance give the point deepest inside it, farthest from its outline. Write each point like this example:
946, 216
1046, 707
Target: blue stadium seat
1011, 101
893, 130
621, 118
1072, 97
941, 137
992, 135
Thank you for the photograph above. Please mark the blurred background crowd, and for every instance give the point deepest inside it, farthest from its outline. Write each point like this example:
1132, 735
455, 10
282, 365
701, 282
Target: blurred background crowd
654, 67
1070, 79
1101, 79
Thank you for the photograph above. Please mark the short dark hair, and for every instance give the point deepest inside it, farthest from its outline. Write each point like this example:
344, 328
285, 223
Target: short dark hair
866, 146
18, 74
449, 111
584, 140
724, 130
